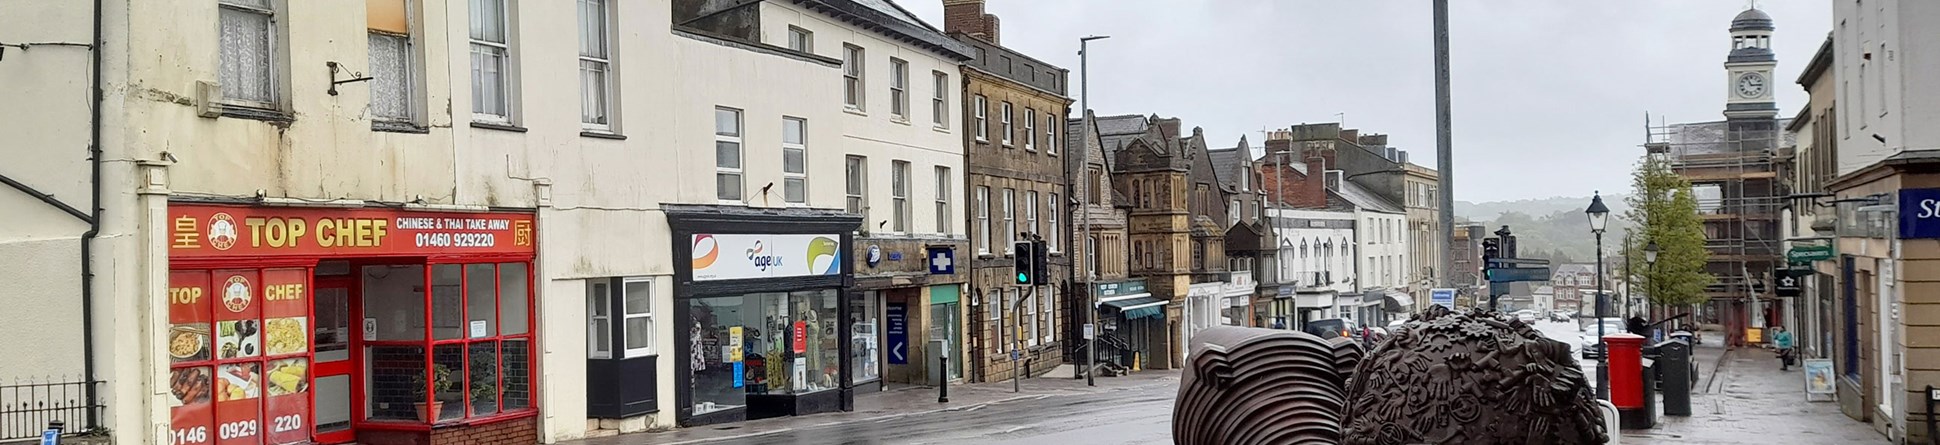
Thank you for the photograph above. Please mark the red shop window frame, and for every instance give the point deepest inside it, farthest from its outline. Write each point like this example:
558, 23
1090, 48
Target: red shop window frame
498, 337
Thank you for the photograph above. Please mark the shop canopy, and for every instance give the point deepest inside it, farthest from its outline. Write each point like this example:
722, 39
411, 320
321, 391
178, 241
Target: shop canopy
1399, 302
1140, 307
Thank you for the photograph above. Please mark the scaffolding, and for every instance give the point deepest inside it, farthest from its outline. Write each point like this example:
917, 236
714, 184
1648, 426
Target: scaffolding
1734, 173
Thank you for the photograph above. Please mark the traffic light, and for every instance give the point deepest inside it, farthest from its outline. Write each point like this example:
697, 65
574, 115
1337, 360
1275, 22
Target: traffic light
1040, 261
1026, 265
1491, 249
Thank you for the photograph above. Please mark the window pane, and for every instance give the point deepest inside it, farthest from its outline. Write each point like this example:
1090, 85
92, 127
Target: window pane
396, 382
727, 122
394, 297
488, 80
727, 154
513, 303
515, 366
792, 162
246, 45
448, 368
481, 300
592, 92
792, 130
390, 85
485, 388
639, 332
488, 20
446, 322
855, 176
795, 190
639, 297
727, 186
602, 341
592, 28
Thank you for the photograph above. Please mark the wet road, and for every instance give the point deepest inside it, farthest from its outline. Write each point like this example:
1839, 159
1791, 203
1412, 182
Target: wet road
1140, 415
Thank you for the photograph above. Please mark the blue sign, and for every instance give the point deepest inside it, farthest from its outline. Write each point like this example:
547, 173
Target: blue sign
898, 334
50, 437
1442, 297
738, 374
1919, 213
943, 260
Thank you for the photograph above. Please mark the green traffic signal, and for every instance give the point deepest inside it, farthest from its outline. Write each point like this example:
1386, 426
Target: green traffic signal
1022, 278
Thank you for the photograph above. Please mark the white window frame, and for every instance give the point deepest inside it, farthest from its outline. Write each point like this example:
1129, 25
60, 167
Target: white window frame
1029, 316
855, 78
597, 109
1047, 314
943, 212
983, 118
800, 149
898, 90
899, 196
801, 39
599, 307
740, 152
271, 73
626, 317
940, 103
1030, 212
856, 186
1003, 116
1091, 255
1050, 134
1030, 129
1010, 220
506, 71
1053, 207
983, 219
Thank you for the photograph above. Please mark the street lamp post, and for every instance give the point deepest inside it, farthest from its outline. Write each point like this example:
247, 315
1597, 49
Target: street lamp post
1084, 162
1600, 215
1650, 267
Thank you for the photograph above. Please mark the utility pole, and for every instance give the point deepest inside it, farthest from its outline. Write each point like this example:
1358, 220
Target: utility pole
1084, 175
1444, 139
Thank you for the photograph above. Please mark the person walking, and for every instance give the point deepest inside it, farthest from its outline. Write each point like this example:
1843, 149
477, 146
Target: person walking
1782, 341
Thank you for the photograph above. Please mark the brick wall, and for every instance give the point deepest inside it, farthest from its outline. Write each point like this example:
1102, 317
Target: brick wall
511, 432
967, 16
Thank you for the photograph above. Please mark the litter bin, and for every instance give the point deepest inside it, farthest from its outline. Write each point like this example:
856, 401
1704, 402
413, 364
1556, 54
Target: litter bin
1674, 376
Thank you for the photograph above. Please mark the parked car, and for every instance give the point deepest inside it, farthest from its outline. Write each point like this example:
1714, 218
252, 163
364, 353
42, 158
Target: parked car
1560, 316
1526, 315
1396, 325
1329, 328
1592, 348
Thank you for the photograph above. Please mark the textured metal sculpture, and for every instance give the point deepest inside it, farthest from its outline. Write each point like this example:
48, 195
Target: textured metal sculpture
1451, 377
1246, 386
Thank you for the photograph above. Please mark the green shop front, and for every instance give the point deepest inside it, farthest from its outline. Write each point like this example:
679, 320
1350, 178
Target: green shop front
760, 324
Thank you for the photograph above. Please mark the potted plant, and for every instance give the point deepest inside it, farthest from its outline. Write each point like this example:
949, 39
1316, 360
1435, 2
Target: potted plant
441, 383
484, 397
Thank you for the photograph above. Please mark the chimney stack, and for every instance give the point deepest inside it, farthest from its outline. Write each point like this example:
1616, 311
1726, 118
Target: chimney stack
967, 17
1351, 135
1312, 191
1374, 140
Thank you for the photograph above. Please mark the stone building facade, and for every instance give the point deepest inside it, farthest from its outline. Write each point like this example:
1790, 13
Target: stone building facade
1175, 232
1014, 116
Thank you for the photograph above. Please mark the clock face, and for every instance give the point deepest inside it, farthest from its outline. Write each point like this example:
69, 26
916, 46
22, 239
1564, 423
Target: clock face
1751, 85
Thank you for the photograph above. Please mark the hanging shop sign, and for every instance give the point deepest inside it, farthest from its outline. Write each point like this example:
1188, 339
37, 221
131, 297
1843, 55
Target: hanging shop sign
199, 231
1919, 213
733, 257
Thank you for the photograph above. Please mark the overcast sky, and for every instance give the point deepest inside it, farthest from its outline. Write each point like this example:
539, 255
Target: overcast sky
1549, 96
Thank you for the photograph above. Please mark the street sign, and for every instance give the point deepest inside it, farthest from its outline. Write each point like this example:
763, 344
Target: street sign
1519, 274
943, 260
1513, 262
1442, 297
1089, 331
1919, 210
1808, 253
898, 320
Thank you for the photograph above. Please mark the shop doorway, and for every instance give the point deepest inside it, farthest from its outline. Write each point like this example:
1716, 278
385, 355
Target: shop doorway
333, 298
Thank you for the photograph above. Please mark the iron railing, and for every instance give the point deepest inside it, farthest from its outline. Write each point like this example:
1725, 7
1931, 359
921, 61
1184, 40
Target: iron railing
26, 407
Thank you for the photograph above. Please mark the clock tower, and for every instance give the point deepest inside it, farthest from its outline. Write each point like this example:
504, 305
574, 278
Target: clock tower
1748, 70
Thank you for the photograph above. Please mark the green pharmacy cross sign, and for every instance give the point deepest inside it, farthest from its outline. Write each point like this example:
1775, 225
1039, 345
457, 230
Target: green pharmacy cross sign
1808, 253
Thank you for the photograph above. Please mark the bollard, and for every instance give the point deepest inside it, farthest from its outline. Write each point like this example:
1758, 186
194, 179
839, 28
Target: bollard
1932, 436
943, 384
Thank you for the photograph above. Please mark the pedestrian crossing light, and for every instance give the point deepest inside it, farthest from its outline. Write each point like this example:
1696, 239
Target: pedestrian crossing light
1025, 265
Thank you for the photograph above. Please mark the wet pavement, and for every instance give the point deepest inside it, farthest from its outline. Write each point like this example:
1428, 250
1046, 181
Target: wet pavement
1135, 409
1742, 398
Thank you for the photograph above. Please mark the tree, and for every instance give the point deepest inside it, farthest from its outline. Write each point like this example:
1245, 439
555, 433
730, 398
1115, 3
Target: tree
1662, 209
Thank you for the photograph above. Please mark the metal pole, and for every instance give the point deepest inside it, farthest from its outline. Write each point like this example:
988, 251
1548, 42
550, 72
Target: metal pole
943, 379
1016, 376
1603, 353
1444, 141
1084, 175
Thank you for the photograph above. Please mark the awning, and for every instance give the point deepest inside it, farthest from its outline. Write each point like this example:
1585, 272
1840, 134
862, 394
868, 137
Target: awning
1136, 308
1319, 300
1399, 302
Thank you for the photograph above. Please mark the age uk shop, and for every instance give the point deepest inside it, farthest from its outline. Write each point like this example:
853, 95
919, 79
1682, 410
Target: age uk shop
337, 325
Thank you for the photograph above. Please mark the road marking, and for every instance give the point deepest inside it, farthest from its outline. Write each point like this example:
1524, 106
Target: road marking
742, 436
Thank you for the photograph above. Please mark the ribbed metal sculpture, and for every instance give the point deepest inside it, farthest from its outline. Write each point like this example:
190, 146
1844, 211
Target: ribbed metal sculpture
1451, 377
1247, 386
1444, 378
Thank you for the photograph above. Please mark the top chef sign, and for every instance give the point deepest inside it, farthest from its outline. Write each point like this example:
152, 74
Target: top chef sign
219, 231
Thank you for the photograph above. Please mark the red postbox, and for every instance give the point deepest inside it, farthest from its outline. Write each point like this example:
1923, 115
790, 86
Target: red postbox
1626, 370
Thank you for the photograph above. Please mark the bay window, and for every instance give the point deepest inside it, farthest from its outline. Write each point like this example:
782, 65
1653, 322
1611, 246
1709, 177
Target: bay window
474, 358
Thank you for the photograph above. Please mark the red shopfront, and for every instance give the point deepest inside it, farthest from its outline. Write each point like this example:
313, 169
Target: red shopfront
333, 325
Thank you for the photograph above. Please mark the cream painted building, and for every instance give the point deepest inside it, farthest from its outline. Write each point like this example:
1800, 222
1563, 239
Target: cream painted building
407, 181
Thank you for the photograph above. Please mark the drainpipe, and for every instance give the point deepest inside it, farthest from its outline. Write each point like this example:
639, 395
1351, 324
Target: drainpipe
94, 228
